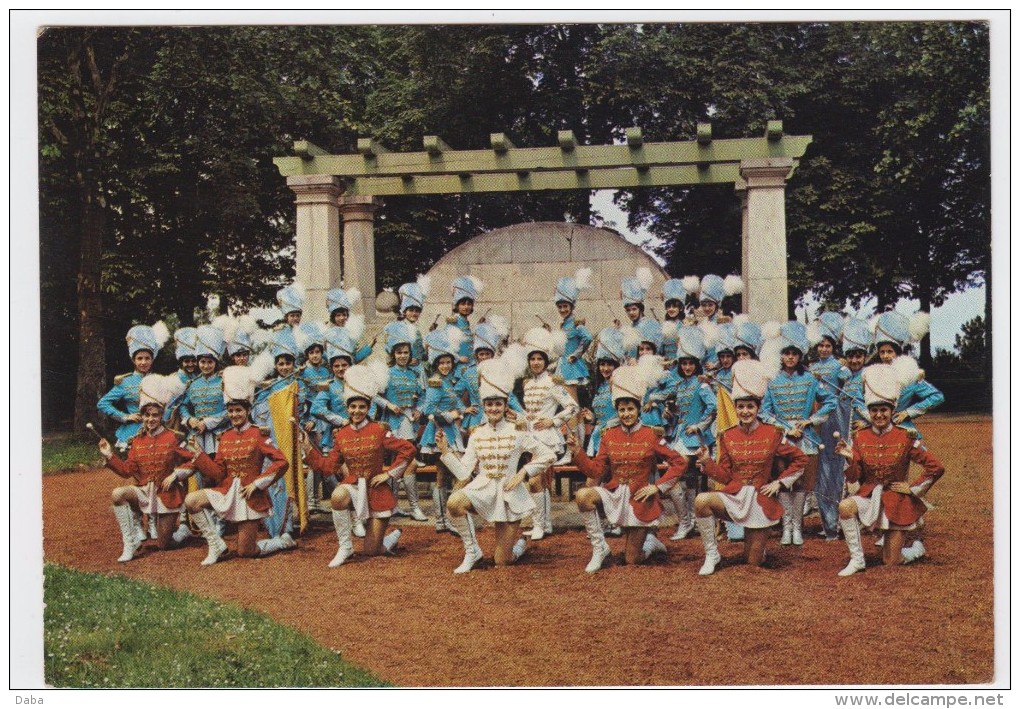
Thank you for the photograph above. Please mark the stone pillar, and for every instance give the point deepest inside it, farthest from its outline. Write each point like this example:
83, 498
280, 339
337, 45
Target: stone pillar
359, 248
318, 239
764, 238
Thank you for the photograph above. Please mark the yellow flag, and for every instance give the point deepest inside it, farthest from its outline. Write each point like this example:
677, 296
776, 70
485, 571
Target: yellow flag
283, 405
725, 415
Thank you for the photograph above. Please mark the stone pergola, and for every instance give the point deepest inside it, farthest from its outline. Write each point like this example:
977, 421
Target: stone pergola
335, 190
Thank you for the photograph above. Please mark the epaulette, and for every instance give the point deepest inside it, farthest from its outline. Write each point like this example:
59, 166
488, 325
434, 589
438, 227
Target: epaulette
579, 322
180, 434
451, 319
912, 433
120, 378
435, 381
659, 431
558, 379
690, 321
842, 361
264, 430
322, 386
521, 424
920, 375
385, 426
723, 319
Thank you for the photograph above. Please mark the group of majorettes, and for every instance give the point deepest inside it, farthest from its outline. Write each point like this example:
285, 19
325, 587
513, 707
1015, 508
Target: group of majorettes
494, 417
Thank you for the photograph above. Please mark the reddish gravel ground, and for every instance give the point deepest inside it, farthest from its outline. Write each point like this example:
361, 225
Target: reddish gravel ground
545, 622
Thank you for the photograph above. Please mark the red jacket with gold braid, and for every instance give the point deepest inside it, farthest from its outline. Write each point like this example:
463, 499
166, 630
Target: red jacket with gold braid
240, 454
153, 458
884, 458
746, 459
362, 450
630, 458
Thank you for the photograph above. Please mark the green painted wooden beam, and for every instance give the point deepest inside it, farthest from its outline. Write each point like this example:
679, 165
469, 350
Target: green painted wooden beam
369, 148
704, 133
634, 137
583, 157
566, 140
500, 142
774, 130
599, 179
306, 149
435, 146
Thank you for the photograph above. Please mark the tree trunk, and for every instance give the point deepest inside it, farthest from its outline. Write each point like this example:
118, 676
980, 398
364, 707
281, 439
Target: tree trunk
91, 347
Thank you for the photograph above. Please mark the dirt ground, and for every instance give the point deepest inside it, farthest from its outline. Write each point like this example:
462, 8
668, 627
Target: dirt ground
412, 622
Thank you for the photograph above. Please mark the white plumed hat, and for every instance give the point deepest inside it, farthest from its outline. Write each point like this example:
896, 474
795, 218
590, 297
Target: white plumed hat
159, 389
496, 378
750, 379
360, 382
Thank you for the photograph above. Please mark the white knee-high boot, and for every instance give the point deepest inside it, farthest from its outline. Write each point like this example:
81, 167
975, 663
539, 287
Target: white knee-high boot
852, 534
914, 552
411, 488
599, 548
128, 532
275, 544
797, 518
389, 542
472, 553
217, 547
538, 516
786, 500
342, 525
684, 513
706, 527
651, 545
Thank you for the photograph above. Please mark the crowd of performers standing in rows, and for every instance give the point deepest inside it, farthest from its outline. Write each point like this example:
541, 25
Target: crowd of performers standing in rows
747, 431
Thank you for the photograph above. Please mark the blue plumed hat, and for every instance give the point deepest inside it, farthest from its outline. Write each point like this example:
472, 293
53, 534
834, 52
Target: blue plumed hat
651, 331
793, 334
144, 337
747, 334
569, 289
241, 342
337, 298
466, 287
611, 346
185, 342
399, 332
828, 325
308, 335
444, 341
712, 288
412, 295
490, 334
726, 338
856, 335
690, 343
674, 289
339, 344
634, 289
284, 343
210, 342
891, 326
291, 298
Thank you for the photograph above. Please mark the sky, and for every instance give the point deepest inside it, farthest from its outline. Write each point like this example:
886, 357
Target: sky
946, 321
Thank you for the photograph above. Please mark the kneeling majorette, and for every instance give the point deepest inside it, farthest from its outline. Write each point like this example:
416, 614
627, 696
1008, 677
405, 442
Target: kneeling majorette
497, 492
746, 455
246, 464
364, 493
880, 458
628, 454
152, 457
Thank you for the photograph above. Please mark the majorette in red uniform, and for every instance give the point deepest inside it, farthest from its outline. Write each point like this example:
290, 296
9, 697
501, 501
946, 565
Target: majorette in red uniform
627, 455
239, 475
361, 444
880, 458
746, 455
153, 454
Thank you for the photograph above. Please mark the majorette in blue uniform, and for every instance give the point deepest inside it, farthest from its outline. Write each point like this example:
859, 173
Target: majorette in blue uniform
185, 344
404, 390
712, 290
571, 366
340, 303
611, 347
674, 295
465, 288
633, 291
328, 405
654, 405
291, 300
412, 302
919, 397
202, 409
856, 337
694, 407
489, 337
790, 398
832, 375
121, 402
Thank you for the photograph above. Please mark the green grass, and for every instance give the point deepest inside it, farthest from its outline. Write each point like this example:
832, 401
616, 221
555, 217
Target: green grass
104, 631
64, 453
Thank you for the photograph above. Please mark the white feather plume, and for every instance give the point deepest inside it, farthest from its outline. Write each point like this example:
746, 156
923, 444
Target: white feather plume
644, 277
740, 319
266, 315
906, 370
631, 337
247, 323
711, 331
425, 282
515, 358
299, 287
381, 373
559, 343
261, 367
161, 331
770, 330
355, 327
920, 323
732, 285
692, 284
669, 330
814, 332
500, 324
477, 283
651, 368
303, 338
455, 337
212, 303
172, 386
354, 296
873, 324
227, 324
582, 278
770, 359
261, 338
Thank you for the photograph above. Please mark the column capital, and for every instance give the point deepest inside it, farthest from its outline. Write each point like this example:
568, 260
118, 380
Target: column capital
316, 189
765, 172
359, 207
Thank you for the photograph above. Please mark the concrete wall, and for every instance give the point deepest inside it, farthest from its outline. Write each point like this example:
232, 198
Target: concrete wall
521, 264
